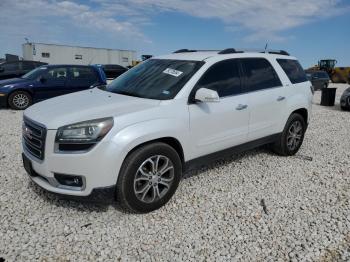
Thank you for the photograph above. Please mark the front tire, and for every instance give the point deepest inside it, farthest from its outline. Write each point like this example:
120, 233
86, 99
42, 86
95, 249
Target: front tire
148, 178
20, 100
292, 136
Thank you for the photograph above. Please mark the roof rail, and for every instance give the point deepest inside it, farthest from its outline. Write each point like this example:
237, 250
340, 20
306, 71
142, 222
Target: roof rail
191, 50
229, 51
184, 51
277, 52
235, 51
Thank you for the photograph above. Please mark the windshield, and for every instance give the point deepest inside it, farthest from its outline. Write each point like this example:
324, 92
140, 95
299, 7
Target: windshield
155, 79
34, 74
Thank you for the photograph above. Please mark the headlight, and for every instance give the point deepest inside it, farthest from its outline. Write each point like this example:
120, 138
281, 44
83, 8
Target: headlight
88, 132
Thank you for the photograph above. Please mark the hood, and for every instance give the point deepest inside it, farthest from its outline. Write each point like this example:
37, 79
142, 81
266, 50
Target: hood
14, 81
85, 105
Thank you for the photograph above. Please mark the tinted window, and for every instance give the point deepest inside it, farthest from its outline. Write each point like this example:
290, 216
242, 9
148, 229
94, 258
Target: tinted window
36, 73
27, 65
83, 76
56, 74
222, 77
260, 74
158, 79
10, 66
113, 67
293, 70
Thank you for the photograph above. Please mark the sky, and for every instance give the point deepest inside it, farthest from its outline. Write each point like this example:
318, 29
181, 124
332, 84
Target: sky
308, 29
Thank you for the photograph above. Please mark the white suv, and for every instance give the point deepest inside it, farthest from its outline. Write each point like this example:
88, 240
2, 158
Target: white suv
131, 140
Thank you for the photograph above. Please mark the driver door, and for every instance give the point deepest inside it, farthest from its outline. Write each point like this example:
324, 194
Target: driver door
216, 126
52, 83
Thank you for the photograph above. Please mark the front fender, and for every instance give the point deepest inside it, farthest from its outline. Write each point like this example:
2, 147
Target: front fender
134, 135
27, 88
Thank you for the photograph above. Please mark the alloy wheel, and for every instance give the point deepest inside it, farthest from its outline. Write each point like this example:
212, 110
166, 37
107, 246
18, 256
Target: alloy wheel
153, 178
20, 101
294, 136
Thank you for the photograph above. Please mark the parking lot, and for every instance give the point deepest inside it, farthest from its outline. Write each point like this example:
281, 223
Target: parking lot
255, 206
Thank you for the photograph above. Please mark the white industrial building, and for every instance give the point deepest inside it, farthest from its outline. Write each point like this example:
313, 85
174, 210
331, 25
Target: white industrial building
63, 54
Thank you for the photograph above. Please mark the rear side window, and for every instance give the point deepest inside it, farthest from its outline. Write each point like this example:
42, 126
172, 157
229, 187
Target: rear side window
83, 75
293, 70
260, 74
223, 77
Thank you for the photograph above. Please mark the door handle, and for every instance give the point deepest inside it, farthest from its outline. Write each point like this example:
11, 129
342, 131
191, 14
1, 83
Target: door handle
281, 98
241, 107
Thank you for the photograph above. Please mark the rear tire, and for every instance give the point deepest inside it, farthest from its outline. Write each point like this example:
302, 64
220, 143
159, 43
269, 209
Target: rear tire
148, 178
292, 136
20, 100
347, 106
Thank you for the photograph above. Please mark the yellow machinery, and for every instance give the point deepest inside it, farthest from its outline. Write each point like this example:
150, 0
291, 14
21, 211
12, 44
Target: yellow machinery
336, 74
143, 57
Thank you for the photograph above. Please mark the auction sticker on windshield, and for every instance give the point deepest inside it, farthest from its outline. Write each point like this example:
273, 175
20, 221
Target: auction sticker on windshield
172, 72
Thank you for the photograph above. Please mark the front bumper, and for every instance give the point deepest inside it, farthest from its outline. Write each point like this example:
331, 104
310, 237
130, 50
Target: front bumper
99, 168
3, 100
99, 195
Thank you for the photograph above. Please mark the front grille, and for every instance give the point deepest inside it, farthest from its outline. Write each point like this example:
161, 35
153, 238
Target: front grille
34, 136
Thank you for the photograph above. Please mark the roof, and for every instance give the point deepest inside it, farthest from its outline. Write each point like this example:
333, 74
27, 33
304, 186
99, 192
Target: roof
203, 55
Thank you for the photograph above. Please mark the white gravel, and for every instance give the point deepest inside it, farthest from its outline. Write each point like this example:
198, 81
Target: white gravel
216, 214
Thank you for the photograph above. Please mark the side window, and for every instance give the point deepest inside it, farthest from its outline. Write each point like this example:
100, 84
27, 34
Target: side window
223, 77
11, 67
293, 70
56, 74
83, 76
260, 74
27, 65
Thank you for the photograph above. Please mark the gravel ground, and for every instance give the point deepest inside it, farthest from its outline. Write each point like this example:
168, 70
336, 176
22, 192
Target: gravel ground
255, 206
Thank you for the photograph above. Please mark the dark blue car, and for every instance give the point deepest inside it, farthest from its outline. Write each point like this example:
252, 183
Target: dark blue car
48, 81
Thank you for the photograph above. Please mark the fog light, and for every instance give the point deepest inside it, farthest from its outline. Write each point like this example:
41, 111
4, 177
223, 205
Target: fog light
68, 180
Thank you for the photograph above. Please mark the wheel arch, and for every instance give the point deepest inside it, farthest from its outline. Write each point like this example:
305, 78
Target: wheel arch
171, 141
303, 112
30, 92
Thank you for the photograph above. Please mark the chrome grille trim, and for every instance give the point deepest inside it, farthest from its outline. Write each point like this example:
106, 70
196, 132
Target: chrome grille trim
34, 136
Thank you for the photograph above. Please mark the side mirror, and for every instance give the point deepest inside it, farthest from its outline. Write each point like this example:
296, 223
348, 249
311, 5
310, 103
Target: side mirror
2, 69
207, 95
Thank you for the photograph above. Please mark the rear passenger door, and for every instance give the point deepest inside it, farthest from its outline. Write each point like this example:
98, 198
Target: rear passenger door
266, 97
81, 78
224, 124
